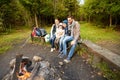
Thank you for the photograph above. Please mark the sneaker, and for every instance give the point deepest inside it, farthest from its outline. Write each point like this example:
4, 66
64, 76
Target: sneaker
67, 60
51, 50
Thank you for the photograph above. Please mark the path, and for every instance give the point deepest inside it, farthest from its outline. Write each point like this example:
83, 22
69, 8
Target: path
78, 69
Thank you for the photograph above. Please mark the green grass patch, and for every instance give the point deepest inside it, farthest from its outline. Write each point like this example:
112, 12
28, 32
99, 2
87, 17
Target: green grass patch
7, 40
107, 72
96, 34
4, 48
48, 28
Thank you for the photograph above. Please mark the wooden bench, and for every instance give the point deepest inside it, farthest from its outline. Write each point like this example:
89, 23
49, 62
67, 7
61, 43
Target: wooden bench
41, 38
112, 58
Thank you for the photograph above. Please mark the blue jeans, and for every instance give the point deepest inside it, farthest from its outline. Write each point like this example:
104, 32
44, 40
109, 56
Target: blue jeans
61, 44
52, 40
72, 49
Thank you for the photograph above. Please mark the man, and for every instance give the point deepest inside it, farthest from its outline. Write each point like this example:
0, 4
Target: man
52, 34
74, 32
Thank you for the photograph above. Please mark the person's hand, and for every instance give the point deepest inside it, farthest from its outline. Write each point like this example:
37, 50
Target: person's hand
72, 42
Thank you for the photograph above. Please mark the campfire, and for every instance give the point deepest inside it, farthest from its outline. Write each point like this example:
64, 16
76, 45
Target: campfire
22, 68
25, 71
25, 75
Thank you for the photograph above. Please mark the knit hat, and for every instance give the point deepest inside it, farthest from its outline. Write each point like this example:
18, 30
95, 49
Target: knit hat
66, 22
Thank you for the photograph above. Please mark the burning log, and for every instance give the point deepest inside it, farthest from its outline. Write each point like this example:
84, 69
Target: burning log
25, 69
17, 65
36, 66
34, 71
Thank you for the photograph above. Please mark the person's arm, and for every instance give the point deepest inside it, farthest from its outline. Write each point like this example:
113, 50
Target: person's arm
77, 31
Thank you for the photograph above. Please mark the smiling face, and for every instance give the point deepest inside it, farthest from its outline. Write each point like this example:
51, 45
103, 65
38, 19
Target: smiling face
56, 21
70, 20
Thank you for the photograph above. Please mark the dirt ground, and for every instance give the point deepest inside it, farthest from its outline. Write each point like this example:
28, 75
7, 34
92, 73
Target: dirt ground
77, 69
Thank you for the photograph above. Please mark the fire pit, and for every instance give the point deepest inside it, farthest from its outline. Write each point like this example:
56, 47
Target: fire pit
26, 69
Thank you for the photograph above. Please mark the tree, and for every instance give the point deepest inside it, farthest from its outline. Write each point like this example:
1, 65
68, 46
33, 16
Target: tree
21, 12
103, 11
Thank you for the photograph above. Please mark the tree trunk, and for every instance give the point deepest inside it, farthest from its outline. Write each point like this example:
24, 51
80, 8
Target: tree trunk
116, 21
89, 18
110, 20
36, 22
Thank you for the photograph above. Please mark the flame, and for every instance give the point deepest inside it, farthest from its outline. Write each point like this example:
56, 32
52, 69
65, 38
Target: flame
24, 76
24, 72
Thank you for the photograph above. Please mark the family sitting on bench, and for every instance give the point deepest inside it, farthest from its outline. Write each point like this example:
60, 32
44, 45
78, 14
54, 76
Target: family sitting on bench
67, 31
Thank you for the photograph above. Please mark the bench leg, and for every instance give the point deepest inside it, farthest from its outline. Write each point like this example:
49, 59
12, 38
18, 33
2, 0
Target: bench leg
32, 38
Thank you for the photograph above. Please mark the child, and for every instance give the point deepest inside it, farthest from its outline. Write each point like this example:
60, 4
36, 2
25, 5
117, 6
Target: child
60, 32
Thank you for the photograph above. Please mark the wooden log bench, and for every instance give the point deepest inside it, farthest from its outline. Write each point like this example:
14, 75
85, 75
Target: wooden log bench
111, 58
38, 33
41, 38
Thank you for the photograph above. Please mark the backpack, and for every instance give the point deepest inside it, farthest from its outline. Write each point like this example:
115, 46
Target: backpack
43, 32
38, 32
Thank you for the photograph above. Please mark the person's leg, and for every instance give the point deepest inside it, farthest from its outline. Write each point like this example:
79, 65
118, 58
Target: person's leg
60, 44
71, 52
66, 39
52, 43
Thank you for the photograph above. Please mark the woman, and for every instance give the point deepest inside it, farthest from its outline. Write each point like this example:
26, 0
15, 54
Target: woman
52, 34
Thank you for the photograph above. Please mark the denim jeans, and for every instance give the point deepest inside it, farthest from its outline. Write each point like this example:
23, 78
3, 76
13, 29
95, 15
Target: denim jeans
52, 39
72, 49
61, 44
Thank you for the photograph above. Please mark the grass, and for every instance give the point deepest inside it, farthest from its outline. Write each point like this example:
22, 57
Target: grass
7, 40
110, 74
48, 28
97, 34
88, 31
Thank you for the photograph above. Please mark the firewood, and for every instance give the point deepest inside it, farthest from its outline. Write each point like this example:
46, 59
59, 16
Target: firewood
17, 66
34, 71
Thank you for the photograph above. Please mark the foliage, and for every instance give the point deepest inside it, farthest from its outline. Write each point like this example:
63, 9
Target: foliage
12, 14
28, 12
101, 11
